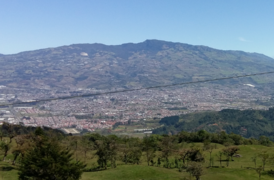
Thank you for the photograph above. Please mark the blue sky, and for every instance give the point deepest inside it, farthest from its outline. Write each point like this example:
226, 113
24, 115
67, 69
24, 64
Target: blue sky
246, 25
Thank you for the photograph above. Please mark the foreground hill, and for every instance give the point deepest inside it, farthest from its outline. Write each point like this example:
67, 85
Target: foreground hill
248, 123
198, 155
240, 169
151, 62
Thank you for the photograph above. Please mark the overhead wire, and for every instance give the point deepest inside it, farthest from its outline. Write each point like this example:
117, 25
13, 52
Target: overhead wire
130, 90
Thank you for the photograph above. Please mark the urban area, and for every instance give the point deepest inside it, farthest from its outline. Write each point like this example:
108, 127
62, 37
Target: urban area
103, 111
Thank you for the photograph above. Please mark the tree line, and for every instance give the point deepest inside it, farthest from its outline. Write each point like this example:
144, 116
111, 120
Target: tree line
48, 154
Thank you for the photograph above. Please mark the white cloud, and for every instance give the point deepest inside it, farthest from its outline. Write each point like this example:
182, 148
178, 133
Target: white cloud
243, 39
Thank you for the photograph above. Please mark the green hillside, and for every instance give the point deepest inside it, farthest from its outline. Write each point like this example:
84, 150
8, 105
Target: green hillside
248, 123
155, 157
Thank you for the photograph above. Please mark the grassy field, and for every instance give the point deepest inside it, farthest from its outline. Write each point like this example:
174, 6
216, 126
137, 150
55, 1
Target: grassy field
241, 168
133, 172
129, 129
142, 172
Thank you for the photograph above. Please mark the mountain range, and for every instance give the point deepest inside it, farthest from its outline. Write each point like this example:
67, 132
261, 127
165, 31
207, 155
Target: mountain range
149, 63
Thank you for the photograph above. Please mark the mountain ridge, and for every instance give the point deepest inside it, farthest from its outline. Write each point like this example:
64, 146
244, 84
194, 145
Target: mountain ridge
146, 41
128, 65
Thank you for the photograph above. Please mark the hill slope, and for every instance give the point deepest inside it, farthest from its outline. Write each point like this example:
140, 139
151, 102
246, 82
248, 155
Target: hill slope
151, 62
248, 123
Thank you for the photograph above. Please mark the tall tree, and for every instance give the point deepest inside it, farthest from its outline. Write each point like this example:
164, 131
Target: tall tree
107, 150
167, 147
124, 148
23, 144
86, 145
195, 169
149, 146
254, 159
113, 149
130, 150
74, 145
219, 156
135, 153
209, 147
102, 153
47, 160
264, 156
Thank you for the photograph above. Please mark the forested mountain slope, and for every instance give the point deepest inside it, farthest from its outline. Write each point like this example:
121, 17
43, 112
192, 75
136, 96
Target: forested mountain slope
249, 123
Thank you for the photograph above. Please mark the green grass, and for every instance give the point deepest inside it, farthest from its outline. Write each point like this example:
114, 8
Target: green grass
237, 169
232, 173
9, 175
133, 172
142, 172
7, 172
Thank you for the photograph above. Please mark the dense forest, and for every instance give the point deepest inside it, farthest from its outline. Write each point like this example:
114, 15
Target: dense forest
43, 153
248, 123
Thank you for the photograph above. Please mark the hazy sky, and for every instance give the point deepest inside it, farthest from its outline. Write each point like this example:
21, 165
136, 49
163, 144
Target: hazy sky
246, 25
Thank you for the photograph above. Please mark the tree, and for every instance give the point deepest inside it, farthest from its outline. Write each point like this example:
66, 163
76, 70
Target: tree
168, 147
74, 144
47, 160
238, 139
263, 140
202, 135
219, 156
22, 142
209, 148
159, 162
107, 150
176, 162
230, 151
259, 171
192, 154
102, 153
195, 169
135, 155
254, 159
86, 145
183, 155
5, 147
183, 136
124, 148
11, 130
1, 135
113, 149
149, 146
264, 156
130, 150
196, 154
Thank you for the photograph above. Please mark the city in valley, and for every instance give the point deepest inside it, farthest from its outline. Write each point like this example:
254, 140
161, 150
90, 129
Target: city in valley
103, 111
